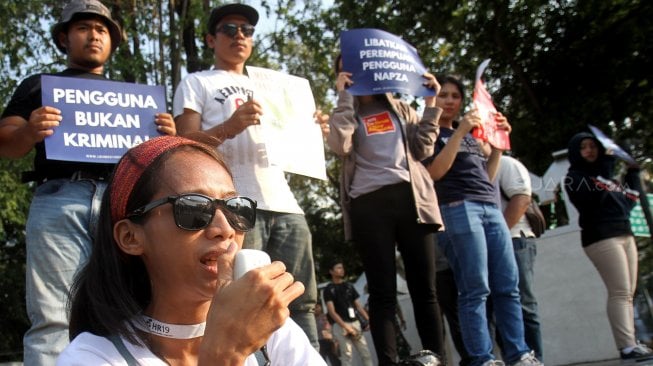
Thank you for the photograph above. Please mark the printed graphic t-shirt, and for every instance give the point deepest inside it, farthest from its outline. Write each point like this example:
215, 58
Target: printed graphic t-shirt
216, 94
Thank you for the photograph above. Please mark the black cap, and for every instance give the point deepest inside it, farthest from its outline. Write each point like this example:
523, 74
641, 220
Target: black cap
87, 7
231, 9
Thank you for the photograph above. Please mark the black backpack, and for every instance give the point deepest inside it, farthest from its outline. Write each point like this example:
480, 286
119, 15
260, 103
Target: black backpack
535, 218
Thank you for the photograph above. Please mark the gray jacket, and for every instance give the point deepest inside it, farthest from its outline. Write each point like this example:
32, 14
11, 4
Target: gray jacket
418, 135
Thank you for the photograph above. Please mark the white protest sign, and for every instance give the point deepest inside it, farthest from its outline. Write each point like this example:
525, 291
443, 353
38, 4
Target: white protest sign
292, 138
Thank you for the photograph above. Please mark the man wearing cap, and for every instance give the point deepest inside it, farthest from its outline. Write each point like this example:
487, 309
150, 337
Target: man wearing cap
67, 199
222, 102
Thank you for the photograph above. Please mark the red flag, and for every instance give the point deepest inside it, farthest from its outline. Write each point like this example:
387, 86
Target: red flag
483, 102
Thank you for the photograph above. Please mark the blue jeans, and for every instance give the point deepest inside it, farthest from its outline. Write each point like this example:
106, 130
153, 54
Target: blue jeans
525, 252
287, 238
478, 246
62, 215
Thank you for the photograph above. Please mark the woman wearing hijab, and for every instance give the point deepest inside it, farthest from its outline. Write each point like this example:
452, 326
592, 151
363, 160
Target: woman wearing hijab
604, 206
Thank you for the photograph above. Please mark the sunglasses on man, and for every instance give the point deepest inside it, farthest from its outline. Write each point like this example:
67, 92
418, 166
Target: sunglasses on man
230, 29
194, 211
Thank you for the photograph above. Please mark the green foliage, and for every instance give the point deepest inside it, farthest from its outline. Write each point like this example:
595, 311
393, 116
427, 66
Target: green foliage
15, 198
555, 66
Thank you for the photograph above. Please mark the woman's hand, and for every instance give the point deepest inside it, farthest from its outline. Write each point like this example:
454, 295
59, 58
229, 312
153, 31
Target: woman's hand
244, 313
502, 122
323, 120
343, 80
431, 83
470, 120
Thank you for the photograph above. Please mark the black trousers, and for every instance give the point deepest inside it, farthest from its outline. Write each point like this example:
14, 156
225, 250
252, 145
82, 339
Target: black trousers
448, 299
380, 220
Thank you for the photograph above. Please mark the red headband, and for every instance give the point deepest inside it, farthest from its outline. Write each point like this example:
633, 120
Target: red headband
131, 167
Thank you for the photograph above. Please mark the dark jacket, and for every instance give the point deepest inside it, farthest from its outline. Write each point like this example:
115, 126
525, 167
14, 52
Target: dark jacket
603, 204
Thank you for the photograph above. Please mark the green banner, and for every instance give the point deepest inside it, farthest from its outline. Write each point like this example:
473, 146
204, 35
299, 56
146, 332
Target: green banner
638, 221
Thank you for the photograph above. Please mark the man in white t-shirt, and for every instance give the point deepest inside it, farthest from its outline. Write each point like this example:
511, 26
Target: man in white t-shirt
222, 103
514, 182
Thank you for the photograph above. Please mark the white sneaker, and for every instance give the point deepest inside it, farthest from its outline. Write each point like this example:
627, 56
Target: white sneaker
528, 359
493, 363
641, 351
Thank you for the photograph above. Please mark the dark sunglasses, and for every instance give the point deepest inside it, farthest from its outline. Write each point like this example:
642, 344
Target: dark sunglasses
231, 29
194, 211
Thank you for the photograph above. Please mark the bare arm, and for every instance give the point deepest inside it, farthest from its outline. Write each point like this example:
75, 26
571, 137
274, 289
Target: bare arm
246, 115
495, 155
444, 160
363, 313
516, 208
361, 309
18, 136
187, 122
236, 328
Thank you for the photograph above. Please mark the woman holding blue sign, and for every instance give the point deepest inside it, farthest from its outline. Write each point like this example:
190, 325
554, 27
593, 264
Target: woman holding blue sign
604, 207
388, 200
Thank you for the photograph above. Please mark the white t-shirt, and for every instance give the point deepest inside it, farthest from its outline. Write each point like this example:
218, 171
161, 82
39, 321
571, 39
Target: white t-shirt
216, 94
288, 346
513, 178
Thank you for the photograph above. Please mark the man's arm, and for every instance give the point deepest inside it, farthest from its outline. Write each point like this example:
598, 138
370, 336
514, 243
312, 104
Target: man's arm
361, 309
246, 115
18, 136
191, 121
363, 313
516, 208
515, 185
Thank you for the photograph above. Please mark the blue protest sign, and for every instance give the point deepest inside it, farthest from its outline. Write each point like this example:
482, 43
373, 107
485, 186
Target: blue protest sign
101, 119
610, 145
381, 62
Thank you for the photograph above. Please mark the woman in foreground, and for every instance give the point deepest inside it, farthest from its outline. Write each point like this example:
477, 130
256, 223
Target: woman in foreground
158, 287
